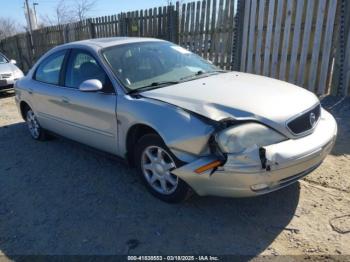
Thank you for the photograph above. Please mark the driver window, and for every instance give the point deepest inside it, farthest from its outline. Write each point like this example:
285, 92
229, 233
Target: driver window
81, 67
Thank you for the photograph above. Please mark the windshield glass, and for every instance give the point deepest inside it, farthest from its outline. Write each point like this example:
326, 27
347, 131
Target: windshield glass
3, 60
139, 65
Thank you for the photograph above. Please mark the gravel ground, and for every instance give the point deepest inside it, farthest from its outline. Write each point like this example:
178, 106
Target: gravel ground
60, 197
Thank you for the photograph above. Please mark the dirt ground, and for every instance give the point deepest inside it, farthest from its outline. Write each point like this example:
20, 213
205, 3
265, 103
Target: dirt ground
60, 197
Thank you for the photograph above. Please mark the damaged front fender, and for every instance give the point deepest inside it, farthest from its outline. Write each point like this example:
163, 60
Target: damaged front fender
184, 133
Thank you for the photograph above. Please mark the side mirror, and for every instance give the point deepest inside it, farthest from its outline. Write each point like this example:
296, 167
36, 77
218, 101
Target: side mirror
91, 85
12, 61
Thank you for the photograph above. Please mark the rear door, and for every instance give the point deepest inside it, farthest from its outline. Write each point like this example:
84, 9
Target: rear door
47, 90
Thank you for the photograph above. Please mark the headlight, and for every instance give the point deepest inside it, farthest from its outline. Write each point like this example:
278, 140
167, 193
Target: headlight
17, 74
237, 139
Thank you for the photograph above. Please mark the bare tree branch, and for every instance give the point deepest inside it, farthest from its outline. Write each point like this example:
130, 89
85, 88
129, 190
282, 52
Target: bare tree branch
8, 27
82, 8
63, 14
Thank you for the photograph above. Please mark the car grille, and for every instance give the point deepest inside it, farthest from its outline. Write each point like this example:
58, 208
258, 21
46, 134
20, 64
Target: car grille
5, 76
306, 121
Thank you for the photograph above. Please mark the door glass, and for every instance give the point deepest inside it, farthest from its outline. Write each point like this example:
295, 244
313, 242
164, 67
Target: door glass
84, 67
49, 70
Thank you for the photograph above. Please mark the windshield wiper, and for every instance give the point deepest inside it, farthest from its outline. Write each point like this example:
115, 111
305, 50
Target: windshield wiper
153, 85
201, 73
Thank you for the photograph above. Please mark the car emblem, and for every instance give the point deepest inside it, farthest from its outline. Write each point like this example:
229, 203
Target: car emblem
312, 119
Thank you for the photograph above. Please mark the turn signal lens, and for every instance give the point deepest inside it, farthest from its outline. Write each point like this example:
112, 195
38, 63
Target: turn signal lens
206, 167
259, 187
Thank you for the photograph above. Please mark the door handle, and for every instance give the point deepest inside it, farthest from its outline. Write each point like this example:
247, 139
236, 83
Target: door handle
65, 100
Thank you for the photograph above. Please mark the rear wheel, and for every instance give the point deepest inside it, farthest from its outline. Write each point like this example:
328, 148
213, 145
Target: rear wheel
34, 127
155, 163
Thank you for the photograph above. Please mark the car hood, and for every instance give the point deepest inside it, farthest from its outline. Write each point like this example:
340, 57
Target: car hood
7, 68
239, 96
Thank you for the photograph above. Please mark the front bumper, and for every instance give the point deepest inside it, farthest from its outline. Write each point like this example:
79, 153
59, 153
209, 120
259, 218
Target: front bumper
7, 83
243, 175
6, 88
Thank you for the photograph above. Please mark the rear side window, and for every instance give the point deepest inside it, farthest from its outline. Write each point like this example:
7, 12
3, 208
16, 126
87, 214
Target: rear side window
49, 70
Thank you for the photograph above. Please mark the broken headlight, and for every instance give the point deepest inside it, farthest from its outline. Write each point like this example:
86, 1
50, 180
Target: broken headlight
237, 139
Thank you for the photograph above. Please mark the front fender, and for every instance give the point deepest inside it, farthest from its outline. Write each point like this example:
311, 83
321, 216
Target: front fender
185, 134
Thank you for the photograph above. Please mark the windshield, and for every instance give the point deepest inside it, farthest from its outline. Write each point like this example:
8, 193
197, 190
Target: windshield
145, 64
3, 60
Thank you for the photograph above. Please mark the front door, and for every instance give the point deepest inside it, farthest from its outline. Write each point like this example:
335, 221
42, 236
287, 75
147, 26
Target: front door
90, 117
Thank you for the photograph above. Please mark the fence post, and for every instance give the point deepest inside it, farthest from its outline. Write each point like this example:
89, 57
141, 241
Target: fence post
119, 24
91, 28
64, 33
169, 25
175, 20
19, 52
124, 24
172, 24
128, 24
29, 49
346, 70
177, 23
340, 74
238, 36
347, 66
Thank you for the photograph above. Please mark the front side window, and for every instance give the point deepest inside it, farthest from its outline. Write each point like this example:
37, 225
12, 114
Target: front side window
142, 64
49, 70
81, 67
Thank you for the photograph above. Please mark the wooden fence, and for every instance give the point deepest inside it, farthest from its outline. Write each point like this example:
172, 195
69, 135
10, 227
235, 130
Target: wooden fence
306, 42
157, 22
208, 29
205, 27
290, 40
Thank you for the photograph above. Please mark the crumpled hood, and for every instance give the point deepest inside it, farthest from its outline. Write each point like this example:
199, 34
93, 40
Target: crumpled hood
239, 96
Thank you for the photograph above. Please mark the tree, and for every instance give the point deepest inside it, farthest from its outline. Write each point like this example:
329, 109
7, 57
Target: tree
66, 12
63, 14
8, 27
82, 8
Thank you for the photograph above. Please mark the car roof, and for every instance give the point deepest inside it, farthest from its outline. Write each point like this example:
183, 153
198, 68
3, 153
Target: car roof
99, 43
96, 44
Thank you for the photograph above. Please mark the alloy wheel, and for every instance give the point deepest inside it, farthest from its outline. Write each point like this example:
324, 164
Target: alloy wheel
33, 125
157, 165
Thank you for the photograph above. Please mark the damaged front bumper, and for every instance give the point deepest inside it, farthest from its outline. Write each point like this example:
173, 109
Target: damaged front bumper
261, 170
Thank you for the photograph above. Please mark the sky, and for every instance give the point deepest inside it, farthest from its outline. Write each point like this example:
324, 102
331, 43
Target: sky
14, 8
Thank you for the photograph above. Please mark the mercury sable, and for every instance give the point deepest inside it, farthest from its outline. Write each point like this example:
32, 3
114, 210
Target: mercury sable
182, 122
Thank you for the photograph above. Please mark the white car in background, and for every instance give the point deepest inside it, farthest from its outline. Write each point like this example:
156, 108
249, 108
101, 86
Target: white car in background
9, 73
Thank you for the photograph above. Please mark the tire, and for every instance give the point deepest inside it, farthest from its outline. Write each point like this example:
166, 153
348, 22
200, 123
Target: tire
34, 128
154, 162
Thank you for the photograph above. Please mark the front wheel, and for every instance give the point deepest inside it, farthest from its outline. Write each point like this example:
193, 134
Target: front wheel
155, 162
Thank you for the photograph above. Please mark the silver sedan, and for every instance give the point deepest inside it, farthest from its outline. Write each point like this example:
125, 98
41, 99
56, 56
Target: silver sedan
9, 73
182, 122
